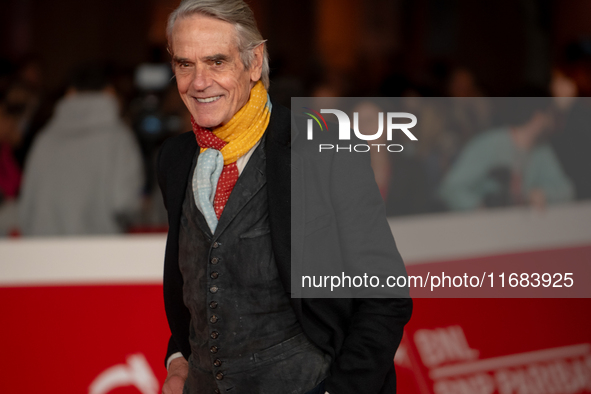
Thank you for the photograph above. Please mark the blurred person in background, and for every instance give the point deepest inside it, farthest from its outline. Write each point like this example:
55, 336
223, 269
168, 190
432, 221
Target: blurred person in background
510, 165
10, 170
571, 138
29, 77
84, 173
469, 111
420, 168
22, 88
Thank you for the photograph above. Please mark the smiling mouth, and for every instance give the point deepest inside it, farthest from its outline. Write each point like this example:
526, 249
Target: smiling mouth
208, 99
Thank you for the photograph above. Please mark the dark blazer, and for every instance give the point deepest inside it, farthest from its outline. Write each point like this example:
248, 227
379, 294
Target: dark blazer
337, 210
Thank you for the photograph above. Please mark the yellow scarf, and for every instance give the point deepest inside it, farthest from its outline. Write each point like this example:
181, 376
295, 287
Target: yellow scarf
246, 127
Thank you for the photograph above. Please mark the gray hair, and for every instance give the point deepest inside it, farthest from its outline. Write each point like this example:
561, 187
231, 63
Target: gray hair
236, 12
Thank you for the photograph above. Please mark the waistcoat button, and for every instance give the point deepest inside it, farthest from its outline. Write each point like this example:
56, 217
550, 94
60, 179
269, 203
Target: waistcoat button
215, 335
213, 319
215, 260
213, 304
213, 289
214, 275
213, 349
219, 376
216, 245
217, 362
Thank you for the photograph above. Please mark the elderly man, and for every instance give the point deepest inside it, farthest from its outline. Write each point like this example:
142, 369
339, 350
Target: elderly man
227, 188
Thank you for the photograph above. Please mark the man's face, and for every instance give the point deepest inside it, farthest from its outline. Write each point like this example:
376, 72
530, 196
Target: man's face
211, 78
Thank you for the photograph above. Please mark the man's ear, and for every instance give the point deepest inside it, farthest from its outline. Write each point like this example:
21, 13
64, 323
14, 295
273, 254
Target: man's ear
256, 67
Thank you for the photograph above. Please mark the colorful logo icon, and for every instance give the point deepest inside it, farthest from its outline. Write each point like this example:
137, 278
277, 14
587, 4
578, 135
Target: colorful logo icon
316, 119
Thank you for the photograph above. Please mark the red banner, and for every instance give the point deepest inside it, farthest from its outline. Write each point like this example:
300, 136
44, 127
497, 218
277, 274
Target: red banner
83, 339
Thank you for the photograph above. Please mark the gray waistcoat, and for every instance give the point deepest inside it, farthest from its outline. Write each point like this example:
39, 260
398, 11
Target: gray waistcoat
244, 335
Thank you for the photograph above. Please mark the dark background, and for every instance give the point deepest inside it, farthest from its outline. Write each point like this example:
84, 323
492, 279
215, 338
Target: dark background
351, 44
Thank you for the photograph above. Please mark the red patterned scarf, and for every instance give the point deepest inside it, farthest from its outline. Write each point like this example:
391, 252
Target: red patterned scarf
234, 140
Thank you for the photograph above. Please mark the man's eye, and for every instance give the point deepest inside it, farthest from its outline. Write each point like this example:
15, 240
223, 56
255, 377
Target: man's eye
218, 62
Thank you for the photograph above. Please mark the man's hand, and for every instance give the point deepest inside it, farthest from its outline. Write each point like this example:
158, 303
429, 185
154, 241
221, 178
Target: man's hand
178, 371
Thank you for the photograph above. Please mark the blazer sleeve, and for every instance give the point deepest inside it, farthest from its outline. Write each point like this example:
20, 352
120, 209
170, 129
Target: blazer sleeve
367, 245
176, 312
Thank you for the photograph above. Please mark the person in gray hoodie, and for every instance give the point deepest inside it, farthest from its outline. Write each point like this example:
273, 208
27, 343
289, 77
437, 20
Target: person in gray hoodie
84, 174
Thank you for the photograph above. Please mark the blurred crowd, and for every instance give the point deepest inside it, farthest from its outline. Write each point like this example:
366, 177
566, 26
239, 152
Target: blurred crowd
477, 152
81, 160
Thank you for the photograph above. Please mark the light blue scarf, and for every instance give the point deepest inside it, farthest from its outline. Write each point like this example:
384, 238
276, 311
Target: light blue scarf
210, 164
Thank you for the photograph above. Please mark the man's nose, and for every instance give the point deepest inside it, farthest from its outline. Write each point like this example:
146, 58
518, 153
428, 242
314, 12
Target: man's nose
201, 78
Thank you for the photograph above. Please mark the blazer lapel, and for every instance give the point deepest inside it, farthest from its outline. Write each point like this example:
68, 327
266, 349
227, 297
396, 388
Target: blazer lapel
297, 222
249, 183
279, 187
